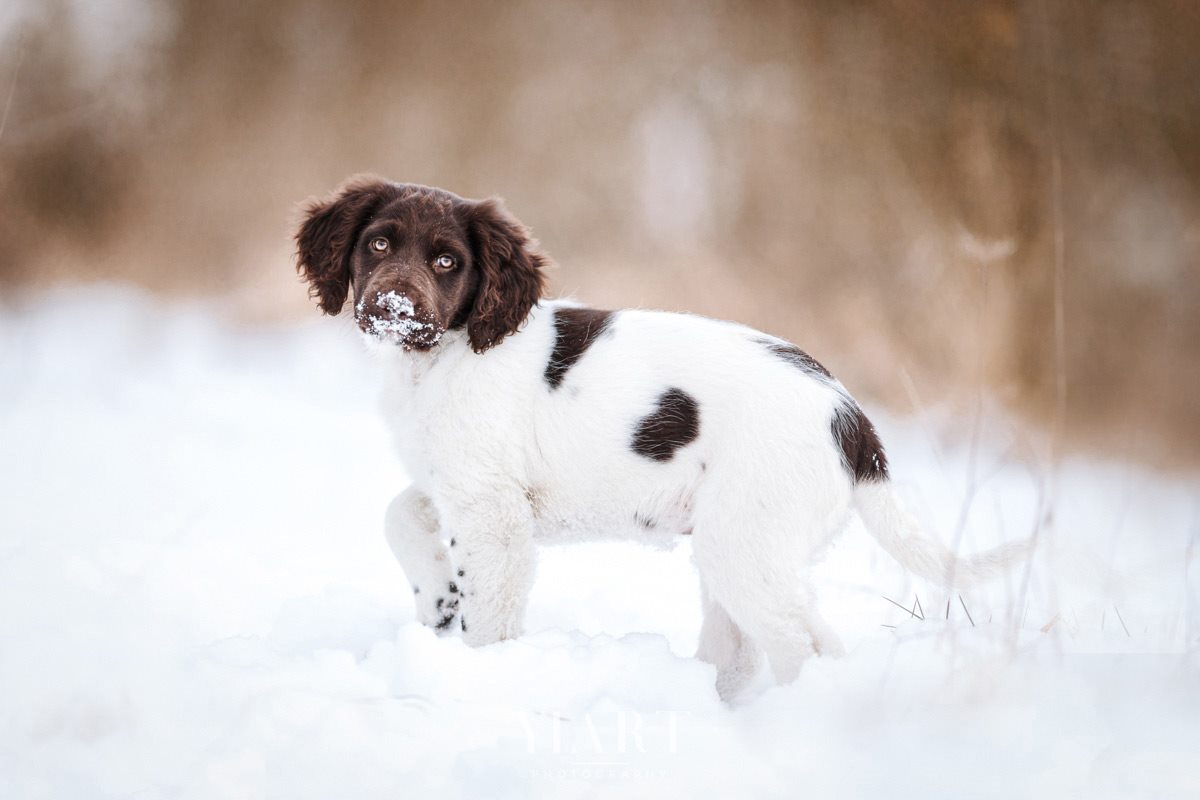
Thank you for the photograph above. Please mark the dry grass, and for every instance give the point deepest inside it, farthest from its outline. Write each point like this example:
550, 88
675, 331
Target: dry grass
952, 201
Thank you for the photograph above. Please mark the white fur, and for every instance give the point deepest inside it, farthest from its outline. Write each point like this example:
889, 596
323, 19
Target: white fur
499, 461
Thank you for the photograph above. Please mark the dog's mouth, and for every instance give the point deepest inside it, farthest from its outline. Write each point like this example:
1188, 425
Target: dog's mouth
394, 318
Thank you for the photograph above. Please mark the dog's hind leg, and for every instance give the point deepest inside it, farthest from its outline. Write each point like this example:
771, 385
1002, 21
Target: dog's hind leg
755, 576
724, 645
776, 621
412, 531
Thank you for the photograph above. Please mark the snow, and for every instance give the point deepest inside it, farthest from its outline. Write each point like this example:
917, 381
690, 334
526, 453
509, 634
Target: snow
198, 603
400, 322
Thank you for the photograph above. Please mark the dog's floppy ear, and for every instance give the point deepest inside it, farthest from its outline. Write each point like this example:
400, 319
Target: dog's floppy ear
327, 235
510, 268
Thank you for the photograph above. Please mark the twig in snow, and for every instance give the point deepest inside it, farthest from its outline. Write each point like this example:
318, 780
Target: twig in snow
902, 608
1056, 198
964, 605
1127, 634
1047, 500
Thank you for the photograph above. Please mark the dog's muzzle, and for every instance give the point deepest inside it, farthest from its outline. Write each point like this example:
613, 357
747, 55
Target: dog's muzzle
392, 316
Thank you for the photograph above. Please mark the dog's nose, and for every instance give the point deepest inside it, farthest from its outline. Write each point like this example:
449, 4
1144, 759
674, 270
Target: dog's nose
386, 312
386, 305
395, 305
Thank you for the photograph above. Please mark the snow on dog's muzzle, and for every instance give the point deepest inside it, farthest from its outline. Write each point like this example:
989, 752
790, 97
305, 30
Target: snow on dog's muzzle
392, 316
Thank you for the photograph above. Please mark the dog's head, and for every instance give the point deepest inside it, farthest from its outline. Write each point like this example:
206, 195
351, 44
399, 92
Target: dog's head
421, 261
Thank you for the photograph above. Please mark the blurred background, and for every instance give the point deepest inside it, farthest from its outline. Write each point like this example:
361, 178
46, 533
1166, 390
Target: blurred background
954, 205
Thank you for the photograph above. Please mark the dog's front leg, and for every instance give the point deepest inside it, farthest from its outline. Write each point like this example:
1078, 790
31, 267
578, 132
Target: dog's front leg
496, 561
413, 532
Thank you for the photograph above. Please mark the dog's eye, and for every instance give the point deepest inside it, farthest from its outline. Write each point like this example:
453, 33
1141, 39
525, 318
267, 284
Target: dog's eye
379, 244
445, 261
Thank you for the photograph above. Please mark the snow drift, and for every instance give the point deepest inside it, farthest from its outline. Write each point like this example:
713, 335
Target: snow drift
198, 602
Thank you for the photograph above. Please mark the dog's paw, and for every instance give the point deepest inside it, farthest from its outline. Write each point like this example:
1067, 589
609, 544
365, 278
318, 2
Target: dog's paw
439, 611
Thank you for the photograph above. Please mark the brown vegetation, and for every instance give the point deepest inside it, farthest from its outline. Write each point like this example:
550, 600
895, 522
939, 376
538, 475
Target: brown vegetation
893, 184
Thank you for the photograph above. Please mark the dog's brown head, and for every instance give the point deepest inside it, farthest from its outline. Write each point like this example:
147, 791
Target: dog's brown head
421, 261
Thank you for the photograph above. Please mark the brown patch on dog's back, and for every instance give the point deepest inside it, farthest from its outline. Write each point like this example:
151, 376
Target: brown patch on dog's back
862, 452
795, 356
672, 425
575, 330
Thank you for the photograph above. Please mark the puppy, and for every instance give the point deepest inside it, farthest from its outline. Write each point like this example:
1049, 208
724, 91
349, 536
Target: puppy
524, 420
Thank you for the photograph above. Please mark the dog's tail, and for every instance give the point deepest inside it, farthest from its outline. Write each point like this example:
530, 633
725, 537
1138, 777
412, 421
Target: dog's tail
900, 535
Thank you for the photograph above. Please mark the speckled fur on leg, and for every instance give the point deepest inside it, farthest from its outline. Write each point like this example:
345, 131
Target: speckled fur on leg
496, 562
412, 531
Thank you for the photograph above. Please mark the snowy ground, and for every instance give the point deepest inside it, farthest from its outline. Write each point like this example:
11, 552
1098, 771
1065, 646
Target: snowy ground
196, 601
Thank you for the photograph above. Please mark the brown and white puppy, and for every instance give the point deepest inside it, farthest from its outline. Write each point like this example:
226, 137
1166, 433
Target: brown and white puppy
520, 419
